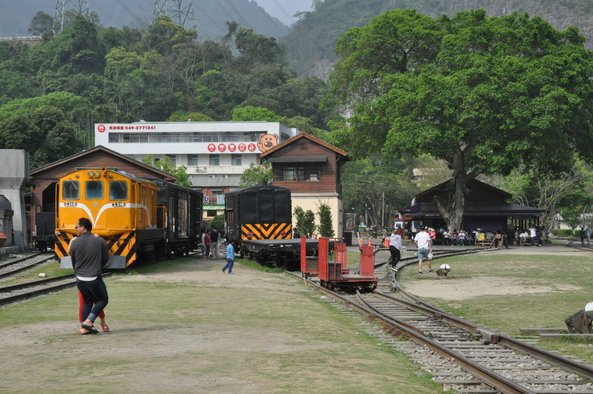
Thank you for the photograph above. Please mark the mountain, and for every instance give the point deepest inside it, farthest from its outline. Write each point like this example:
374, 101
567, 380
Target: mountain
311, 43
209, 16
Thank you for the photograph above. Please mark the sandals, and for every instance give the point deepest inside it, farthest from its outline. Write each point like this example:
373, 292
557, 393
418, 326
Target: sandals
86, 331
105, 327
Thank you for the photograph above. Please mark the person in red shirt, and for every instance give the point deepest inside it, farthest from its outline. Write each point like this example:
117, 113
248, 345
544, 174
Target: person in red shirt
207, 242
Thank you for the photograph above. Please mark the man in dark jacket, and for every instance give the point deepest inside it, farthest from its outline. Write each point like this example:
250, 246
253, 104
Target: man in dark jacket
89, 255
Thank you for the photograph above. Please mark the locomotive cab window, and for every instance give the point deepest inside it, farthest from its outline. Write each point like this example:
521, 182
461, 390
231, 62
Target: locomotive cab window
118, 190
70, 190
94, 190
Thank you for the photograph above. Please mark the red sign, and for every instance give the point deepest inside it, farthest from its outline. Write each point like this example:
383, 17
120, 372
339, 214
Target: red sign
221, 147
211, 147
232, 147
242, 147
101, 128
251, 147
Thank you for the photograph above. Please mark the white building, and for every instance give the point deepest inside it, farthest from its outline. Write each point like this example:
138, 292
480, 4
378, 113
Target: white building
215, 153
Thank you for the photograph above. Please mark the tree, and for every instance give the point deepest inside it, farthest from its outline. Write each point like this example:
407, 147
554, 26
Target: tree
165, 164
483, 94
256, 175
249, 113
305, 221
41, 25
325, 221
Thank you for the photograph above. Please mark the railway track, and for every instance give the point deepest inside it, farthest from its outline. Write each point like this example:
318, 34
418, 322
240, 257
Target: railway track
462, 356
12, 267
23, 291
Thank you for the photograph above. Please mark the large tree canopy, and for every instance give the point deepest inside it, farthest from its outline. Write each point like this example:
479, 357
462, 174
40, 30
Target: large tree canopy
483, 94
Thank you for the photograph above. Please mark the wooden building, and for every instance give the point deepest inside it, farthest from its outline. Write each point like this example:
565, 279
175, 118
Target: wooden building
310, 168
486, 207
44, 179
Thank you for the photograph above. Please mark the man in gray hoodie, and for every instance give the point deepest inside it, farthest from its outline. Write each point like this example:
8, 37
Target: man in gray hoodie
89, 255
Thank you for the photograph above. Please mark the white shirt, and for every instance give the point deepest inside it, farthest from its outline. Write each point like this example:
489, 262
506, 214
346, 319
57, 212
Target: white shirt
533, 232
396, 241
422, 239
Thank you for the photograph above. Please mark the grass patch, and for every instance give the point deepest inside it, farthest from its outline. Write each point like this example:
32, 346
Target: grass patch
51, 269
193, 328
543, 290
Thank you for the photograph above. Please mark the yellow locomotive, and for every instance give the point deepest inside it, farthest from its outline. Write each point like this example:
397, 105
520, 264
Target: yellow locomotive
125, 211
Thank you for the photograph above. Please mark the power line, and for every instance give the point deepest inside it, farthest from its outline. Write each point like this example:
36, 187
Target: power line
176, 10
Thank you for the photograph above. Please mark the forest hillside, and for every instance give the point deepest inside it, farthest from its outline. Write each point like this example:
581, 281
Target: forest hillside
310, 45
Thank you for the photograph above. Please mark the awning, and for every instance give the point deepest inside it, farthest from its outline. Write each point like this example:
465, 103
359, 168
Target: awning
299, 159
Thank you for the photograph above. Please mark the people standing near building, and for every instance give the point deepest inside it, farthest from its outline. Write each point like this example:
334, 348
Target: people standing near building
214, 237
533, 235
230, 258
395, 246
295, 233
207, 243
424, 244
89, 255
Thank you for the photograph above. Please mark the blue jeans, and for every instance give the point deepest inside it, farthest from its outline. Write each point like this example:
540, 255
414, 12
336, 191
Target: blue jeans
423, 254
229, 264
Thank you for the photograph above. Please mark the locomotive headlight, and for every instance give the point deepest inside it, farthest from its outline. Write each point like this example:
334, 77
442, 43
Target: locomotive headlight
94, 174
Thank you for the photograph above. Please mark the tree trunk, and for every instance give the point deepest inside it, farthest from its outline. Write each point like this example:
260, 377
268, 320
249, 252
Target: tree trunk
451, 205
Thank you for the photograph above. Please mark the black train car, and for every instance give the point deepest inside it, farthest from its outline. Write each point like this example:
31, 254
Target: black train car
258, 213
179, 211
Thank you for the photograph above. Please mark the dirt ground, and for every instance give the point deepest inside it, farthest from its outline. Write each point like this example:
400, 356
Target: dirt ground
461, 289
197, 330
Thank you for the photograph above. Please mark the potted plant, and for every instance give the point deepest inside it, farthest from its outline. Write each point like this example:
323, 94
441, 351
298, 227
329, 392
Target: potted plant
2, 238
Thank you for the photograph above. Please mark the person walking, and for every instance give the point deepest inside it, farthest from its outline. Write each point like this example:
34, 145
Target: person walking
230, 258
395, 246
103, 323
588, 234
214, 237
89, 255
424, 244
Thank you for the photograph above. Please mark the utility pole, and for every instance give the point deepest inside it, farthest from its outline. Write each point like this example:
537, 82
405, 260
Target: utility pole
77, 7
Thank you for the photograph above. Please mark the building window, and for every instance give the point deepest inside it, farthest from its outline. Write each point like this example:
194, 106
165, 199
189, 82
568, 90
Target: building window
299, 172
114, 137
214, 160
211, 213
173, 159
192, 160
236, 160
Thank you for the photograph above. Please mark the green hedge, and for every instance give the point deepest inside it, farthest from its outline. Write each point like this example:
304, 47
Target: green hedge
565, 232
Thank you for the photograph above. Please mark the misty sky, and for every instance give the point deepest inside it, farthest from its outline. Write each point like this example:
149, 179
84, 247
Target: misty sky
285, 9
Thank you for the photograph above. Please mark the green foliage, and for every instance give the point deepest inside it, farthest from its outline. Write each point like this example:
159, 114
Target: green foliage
256, 175
165, 164
41, 25
483, 94
565, 232
249, 113
380, 190
325, 221
43, 130
305, 221
218, 223
180, 116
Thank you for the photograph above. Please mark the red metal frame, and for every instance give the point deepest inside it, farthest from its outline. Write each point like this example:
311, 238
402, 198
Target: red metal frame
332, 268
